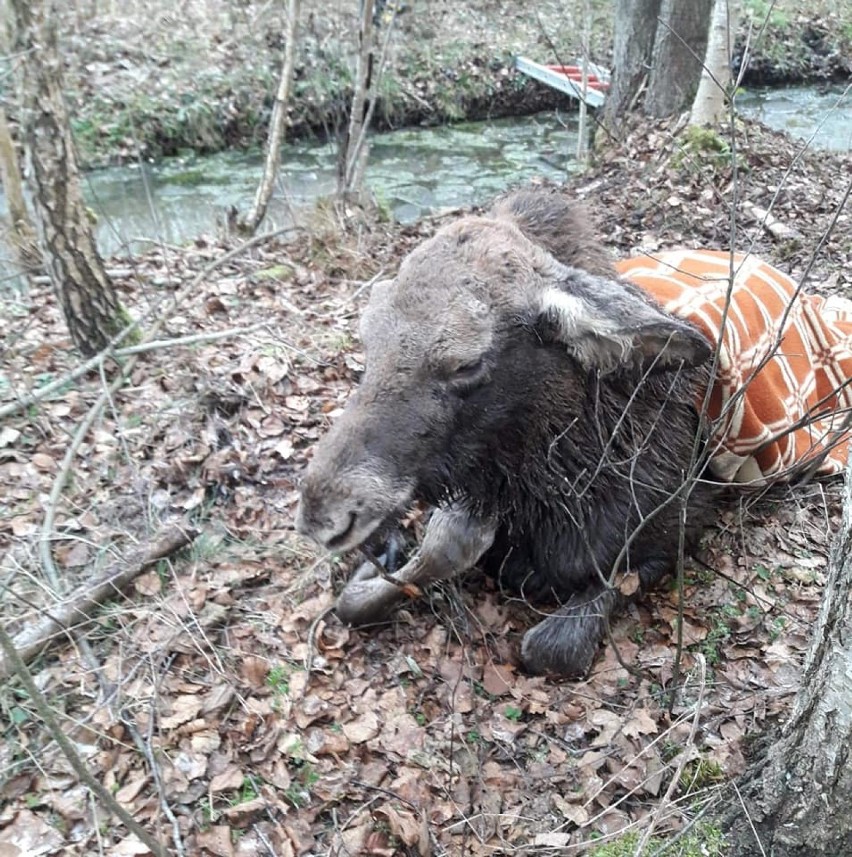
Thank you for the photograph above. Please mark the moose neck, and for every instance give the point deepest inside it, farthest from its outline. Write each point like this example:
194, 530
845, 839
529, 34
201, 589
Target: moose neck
556, 437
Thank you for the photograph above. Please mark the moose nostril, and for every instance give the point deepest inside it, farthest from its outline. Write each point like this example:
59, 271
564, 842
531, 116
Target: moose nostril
342, 535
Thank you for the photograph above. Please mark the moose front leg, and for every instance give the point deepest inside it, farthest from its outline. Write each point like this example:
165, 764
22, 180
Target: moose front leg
454, 542
566, 642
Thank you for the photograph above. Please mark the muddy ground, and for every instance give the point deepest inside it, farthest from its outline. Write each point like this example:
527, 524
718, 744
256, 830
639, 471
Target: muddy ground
148, 79
220, 700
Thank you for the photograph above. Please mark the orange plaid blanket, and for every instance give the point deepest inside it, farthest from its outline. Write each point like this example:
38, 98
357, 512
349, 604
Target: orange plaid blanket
783, 384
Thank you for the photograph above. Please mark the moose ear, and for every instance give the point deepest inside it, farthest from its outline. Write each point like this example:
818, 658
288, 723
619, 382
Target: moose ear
376, 307
608, 325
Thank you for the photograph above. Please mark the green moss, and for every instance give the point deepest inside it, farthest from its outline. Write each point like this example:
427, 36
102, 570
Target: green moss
276, 272
706, 140
186, 178
704, 840
699, 774
702, 146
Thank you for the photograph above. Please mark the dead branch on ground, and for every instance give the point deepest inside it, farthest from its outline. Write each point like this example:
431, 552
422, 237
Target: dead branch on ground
70, 614
162, 309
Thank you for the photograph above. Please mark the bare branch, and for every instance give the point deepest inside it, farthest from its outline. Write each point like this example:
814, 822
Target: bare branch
68, 614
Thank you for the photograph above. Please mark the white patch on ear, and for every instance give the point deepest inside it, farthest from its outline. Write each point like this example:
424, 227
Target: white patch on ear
593, 339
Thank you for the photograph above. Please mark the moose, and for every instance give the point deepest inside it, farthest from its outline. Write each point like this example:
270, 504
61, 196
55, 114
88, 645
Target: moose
550, 410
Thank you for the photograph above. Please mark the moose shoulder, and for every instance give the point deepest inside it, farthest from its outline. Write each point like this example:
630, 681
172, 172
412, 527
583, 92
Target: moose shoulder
544, 406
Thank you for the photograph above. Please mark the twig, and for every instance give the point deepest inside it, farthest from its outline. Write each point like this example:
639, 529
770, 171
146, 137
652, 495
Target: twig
264, 839
161, 308
365, 285
775, 227
64, 471
71, 613
690, 742
407, 587
309, 655
194, 339
387, 792
146, 747
43, 707
108, 692
748, 818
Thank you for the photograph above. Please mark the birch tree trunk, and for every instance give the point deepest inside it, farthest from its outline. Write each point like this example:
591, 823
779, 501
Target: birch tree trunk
87, 296
276, 126
801, 799
715, 83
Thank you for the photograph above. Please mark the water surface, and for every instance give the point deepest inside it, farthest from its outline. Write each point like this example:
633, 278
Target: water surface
410, 172
822, 115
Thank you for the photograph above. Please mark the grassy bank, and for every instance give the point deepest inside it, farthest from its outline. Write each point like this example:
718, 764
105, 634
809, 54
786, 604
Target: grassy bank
156, 81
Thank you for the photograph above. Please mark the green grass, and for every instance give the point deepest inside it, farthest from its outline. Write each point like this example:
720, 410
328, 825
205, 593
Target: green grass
705, 840
773, 14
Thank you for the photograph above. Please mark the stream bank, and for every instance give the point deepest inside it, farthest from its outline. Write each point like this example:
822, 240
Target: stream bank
411, 172
153, 82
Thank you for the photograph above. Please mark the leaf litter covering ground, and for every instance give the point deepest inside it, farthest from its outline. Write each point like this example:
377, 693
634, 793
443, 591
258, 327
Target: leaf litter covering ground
421, 736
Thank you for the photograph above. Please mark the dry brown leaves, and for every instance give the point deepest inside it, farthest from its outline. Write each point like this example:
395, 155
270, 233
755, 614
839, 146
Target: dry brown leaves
421, 737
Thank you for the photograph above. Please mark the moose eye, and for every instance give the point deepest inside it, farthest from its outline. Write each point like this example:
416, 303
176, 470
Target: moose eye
468, 376
469, 369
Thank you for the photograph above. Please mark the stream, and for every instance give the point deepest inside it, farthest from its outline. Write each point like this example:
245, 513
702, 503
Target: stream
411, 171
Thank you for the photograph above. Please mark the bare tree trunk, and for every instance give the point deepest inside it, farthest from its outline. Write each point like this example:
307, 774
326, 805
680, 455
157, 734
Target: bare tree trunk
709, 105
679, 49
86, 294
22, 236
635, 30
354, 148
276, 126
582, 124
800, 803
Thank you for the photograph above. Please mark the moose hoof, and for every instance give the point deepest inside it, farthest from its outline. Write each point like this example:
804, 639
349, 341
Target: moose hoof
551, 648
367, 601
365, 571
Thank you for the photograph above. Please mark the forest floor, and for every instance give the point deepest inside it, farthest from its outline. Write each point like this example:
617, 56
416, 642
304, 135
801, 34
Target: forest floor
148, 79
220, 700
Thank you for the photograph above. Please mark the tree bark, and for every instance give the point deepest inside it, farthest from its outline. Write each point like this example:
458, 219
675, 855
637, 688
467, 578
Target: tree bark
799, 802
715, 83
23, 236
635, 29
659, 46
679, 49
354, 147
87, 296
276, 126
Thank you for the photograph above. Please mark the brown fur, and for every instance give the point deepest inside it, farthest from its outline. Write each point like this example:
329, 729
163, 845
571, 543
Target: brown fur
544, 406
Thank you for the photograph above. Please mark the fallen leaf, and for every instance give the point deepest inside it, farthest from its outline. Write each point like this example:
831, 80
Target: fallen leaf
23, 526
73, 556
498, 679
8, 436
183, 709
229, 780
552, 840
363, 729
128, 792
218, 840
